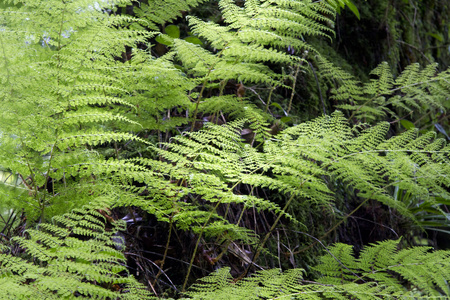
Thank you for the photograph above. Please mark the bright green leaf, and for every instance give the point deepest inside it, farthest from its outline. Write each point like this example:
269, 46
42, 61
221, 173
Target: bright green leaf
437, 36
173, 31
193, 40
164, 39
407, 124
353, 8
277, 105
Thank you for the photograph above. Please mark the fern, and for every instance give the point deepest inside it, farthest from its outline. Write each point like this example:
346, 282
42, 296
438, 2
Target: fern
65, 93
254, 36
207, 166
253, 27
79, 78
365, 161
383, 263
159, 13
415, 90
380, 272
72, 257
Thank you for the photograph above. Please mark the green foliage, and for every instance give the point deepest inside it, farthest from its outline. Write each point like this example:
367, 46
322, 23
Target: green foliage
381, 271
254, 34
363, 160
65, 92
160, 12
244, 45
202, 166
73, 257
79, 84
301, 161
424, 272
56, 77
414, 91
342, 3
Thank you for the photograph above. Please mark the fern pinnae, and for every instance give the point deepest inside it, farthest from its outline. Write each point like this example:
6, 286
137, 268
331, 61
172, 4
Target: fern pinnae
72, 263
196, 137
156, 13
376, 271
310, 163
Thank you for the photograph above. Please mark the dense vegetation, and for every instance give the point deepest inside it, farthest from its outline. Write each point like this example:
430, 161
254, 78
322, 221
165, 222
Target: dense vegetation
266, 148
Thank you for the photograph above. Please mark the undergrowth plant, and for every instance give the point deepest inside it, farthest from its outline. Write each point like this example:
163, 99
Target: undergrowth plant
251, 37
74, 256
381, 271
80, 85
303, 161
415, 93
60, 82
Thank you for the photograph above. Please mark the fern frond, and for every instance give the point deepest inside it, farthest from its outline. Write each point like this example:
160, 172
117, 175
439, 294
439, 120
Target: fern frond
383, 262
257, 33
414, 90
365, 160
374, 275
159, 13
73, 257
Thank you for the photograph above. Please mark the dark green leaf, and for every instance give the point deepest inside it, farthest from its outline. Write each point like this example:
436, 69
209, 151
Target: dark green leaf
285, 119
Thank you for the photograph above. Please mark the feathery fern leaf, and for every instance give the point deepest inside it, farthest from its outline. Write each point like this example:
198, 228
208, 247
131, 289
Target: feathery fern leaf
380, 272
73, 257
66, 92
414, 90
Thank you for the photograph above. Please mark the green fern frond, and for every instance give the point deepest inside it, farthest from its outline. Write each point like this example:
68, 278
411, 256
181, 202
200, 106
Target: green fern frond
365, 160
380, 272
73, 257
256, 33
414, 90
383, 263
159, 13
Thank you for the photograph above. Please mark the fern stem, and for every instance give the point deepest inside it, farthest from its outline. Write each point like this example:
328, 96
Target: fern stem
197, 103
207, 221
345, 218
200, 96
165, 250
266, 237
269, 98
35, 187
150, 261
197, 244
334, 227
47, 176
329, 252
293, 89
318, 87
